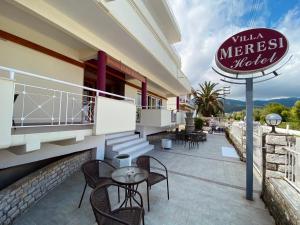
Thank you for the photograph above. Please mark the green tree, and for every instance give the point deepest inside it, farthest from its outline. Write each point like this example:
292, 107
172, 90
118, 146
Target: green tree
257, 114
273, 108
208, 99
285, 114
295, 112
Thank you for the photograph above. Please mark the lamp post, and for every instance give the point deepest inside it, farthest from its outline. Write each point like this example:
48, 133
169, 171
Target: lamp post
273, 120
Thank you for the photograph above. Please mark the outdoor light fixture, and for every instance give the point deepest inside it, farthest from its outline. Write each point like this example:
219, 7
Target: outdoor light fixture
273, 120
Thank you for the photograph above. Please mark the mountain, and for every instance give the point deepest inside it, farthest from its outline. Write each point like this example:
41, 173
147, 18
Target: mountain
232, 105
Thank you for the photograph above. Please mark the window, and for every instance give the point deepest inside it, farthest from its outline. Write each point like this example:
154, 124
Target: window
153, 102
138, 99
158, 103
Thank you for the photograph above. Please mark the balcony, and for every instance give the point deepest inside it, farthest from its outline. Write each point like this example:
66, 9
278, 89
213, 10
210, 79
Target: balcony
186, 100
40, 109
159, 117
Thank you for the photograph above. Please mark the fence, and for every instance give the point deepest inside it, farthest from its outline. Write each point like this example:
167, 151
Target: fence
238, 132
257, 148
46, 105
292, 167
292, 152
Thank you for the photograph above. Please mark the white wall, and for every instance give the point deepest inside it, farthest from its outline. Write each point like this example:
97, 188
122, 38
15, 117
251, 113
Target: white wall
155, 117
171, 103
16, 56
6, 103
114, 116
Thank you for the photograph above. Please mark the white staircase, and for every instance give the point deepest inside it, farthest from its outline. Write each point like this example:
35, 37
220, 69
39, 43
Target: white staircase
126, 143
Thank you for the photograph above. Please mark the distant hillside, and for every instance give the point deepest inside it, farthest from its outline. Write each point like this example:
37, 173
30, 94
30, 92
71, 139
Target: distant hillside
232, 105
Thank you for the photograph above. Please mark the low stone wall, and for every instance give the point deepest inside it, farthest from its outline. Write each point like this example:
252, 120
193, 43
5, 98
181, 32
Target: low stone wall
16, 198
282, 201
237, 143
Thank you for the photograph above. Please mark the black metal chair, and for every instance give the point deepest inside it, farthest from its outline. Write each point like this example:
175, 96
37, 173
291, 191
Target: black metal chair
104, 214
96, 172
144, 162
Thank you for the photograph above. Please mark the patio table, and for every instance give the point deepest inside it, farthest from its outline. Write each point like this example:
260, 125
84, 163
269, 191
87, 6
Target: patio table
130, 177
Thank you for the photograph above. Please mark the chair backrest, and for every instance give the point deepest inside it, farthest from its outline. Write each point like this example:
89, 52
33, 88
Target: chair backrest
15, 97
143, 162
101, 204
95, 170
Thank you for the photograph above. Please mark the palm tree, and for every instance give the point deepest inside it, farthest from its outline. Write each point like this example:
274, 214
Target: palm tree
208, 99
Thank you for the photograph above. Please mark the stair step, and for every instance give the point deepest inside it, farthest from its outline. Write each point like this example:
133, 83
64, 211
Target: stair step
125, 144
116, 135
121, 139
143, 151
132, 148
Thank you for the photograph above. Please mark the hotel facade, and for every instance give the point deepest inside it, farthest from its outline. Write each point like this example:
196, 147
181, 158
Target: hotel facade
95, 74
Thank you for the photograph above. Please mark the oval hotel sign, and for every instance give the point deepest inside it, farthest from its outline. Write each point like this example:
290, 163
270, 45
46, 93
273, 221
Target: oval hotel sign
251, 51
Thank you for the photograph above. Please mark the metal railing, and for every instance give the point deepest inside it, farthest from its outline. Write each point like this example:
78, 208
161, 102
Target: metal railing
152, 107
186, 100
36, 106
292, 168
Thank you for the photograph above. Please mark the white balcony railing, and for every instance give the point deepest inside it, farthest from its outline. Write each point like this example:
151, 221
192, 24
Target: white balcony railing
32, 100
292, 168
36, 106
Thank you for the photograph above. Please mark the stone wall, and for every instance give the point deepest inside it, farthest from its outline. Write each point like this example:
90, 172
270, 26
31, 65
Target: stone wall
283, 201
16, 198
275, 154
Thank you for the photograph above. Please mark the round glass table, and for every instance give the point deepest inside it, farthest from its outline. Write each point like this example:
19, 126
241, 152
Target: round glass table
130, 177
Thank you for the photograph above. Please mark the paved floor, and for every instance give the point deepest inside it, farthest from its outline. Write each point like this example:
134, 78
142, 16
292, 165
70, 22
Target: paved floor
205, 189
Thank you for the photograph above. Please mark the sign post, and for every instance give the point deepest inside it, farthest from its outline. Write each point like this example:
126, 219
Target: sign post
243, 58
249, 138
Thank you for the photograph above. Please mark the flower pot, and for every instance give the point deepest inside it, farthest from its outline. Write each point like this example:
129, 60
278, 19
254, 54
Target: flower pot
122, 160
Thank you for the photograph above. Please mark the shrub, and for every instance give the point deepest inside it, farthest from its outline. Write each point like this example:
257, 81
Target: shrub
198, 123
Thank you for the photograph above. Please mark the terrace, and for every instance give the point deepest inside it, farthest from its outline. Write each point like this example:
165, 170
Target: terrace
206, 187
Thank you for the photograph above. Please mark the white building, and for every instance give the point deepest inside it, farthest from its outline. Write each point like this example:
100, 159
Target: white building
73, 75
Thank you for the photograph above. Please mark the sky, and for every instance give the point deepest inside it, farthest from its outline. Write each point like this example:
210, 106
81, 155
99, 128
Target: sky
205, 24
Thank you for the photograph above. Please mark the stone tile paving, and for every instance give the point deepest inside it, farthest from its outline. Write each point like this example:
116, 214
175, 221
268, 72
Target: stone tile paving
205, 188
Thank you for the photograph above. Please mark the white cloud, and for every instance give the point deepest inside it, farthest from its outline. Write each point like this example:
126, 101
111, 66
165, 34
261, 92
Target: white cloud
205, 24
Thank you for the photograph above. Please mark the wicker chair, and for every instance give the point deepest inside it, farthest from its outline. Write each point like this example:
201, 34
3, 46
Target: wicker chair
144, 162
104, 214
96, 172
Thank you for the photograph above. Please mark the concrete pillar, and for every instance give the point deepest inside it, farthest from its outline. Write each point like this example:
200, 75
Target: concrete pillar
101, 71
144, 94
177, 103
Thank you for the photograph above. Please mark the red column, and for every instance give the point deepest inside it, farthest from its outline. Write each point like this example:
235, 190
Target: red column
144, 94
177, 103
101, 71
